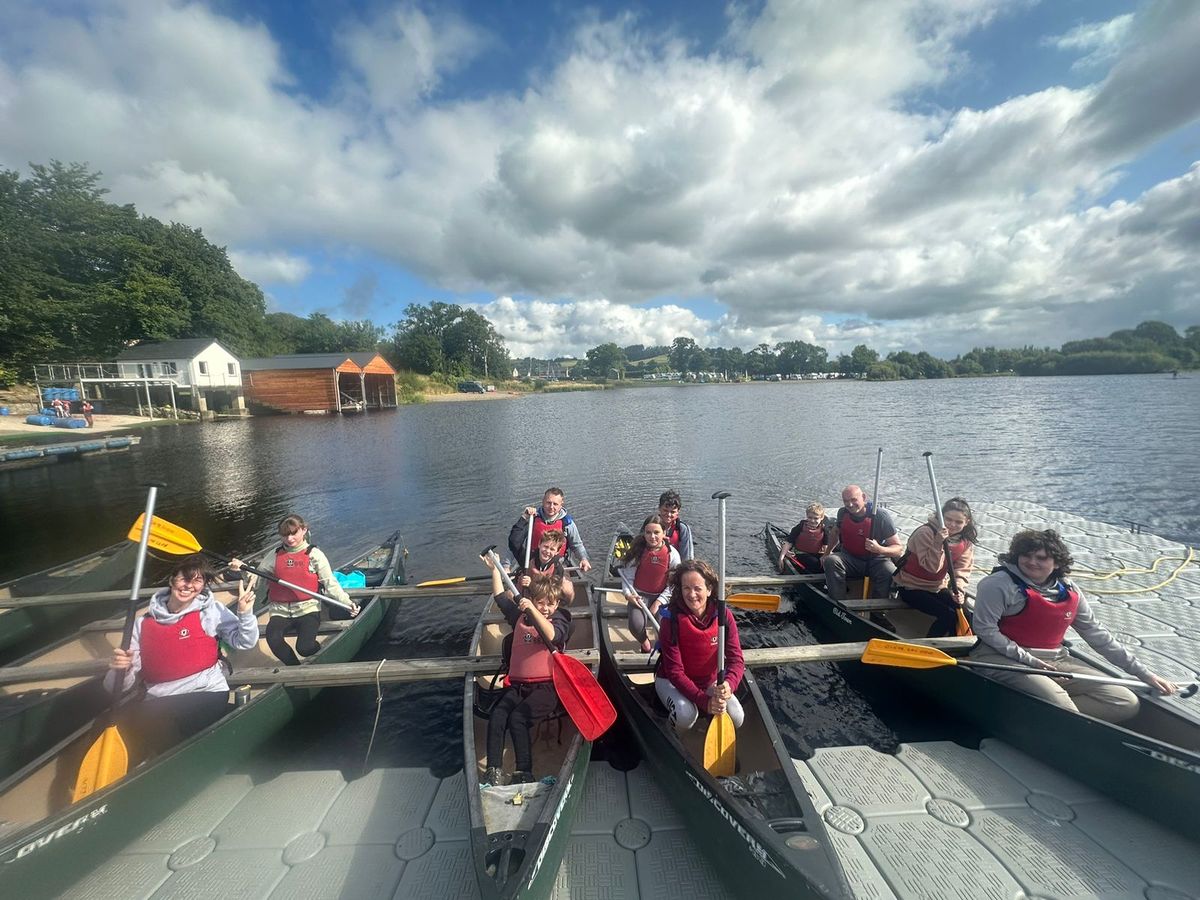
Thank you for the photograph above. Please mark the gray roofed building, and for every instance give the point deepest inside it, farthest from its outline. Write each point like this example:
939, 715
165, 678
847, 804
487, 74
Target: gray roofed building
303, 361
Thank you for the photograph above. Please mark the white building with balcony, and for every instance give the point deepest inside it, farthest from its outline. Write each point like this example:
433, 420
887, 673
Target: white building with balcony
199, 367
195, 372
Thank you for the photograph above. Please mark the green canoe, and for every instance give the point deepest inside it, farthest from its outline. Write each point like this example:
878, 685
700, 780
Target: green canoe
518, 849
47, 842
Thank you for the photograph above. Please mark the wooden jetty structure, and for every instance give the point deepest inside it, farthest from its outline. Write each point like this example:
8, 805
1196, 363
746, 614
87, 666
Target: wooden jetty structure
68, 451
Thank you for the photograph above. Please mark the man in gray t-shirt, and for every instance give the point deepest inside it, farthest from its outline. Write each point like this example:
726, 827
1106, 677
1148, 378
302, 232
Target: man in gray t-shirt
863, 544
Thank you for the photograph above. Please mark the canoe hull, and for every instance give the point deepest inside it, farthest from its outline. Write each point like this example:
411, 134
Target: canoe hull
786, 854
1160, 780
750, 858
542, 846
43, 860
25, 628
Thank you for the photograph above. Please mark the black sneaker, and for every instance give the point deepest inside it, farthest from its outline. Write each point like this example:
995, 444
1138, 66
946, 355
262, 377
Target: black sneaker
492, 776
522, 778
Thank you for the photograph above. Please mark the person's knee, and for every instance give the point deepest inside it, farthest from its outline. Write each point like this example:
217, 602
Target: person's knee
736, 713
684, 716
1114, 704
276, 641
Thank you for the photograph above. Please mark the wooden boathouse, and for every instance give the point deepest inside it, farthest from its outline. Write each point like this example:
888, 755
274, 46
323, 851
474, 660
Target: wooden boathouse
320, 382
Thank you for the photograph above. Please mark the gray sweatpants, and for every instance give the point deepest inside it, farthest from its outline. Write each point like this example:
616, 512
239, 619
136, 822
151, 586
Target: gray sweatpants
840, 565
1110, 702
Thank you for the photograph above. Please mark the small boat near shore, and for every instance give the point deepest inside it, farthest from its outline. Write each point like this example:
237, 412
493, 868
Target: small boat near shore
759, 824
47, 842
1151, 763
519, 832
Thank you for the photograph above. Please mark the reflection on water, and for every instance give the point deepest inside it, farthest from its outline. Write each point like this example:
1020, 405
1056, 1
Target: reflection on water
454, 477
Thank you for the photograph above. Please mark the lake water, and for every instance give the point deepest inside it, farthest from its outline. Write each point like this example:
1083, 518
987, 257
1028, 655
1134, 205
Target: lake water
454, 476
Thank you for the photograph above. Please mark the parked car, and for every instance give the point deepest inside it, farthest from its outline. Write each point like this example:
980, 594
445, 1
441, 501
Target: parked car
471, 387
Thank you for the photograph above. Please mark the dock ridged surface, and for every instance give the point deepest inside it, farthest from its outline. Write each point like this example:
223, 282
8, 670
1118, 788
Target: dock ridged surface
936, 820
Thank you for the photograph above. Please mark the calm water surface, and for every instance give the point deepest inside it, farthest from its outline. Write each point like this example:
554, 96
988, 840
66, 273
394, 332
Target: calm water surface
454, 476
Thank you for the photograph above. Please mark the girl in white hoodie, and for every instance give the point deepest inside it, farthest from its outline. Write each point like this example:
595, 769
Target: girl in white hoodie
175, 651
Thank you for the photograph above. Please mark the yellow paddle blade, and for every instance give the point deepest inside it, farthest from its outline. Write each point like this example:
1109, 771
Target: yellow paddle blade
759, 602
165, 536
720, 747
961, 627
440, 581
106, 761
908, 656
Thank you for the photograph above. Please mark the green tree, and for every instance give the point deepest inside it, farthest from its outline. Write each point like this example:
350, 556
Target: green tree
860, 360
604, 359
81, 278
799, 358
683, 349
761, 361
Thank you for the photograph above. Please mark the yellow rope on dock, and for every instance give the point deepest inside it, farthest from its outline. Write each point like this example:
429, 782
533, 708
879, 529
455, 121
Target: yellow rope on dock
1187, 559
1135, 570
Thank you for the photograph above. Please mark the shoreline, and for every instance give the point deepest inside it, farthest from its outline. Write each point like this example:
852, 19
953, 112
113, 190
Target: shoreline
14, 432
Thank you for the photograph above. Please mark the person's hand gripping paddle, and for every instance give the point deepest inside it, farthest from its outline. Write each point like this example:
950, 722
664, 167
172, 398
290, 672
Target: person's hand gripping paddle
961, 627
720, 743
580, 694
107, 760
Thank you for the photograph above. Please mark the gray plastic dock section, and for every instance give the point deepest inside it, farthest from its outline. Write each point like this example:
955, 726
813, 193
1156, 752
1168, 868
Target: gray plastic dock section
939, 821
398, 833
934, 821
1146, 589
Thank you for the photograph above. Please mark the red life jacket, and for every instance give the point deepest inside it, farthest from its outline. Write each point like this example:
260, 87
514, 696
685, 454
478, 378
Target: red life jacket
853, 535
810, 541
916, 570
554, 567
652, 570
530, 659
697, 647
1043, 623
673, 535
540, 528
293, 566
171, 652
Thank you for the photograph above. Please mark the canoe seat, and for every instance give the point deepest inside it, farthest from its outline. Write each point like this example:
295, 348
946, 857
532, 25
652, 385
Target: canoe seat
872, 604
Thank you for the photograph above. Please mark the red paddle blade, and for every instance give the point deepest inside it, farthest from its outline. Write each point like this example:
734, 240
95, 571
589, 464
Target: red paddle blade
582, 697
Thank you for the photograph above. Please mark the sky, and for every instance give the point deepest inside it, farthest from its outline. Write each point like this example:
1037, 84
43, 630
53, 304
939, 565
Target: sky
909, 174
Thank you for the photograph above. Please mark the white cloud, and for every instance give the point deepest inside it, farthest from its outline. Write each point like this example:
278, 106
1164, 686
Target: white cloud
1099, 42
401, 54
270, 268
797, 174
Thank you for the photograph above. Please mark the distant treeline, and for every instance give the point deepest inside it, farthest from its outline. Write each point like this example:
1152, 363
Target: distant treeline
1150, 347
